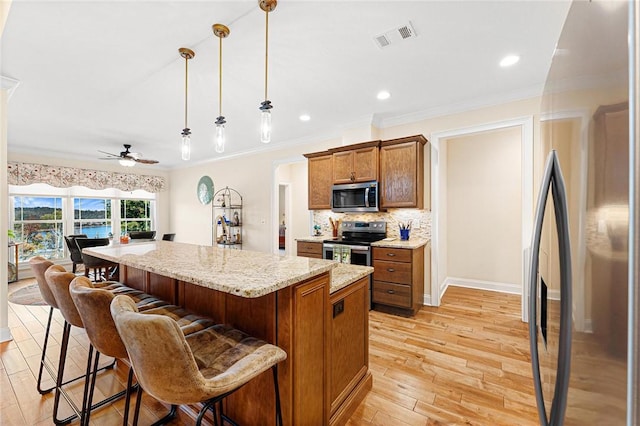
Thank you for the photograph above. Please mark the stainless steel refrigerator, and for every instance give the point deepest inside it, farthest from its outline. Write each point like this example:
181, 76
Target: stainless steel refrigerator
583, 278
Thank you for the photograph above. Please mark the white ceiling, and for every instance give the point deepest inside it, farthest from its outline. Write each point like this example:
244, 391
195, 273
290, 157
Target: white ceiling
97, 74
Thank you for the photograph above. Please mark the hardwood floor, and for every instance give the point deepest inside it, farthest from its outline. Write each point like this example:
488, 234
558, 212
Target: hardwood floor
466, 362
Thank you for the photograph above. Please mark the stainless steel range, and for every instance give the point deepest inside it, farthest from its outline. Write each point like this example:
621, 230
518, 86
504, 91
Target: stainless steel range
356, 237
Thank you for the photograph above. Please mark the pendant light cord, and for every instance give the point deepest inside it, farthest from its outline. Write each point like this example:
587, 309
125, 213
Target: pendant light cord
220, 79
266, 54
186, 87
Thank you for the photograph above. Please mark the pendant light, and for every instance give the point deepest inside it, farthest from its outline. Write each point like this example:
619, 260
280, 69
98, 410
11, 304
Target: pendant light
186, 132
265, 106
220, 31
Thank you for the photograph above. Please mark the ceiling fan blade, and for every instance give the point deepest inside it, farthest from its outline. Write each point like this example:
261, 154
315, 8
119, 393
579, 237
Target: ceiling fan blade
108, 153
109, 158
144, 161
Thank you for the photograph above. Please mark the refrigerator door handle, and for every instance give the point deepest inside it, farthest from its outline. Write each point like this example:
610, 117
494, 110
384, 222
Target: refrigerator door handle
552, 180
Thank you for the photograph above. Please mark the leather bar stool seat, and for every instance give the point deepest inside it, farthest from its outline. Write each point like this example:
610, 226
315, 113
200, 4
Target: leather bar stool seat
58, 281
93, 301
205, 366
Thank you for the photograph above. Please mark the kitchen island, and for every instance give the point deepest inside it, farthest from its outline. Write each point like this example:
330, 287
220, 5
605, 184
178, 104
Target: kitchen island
287, 301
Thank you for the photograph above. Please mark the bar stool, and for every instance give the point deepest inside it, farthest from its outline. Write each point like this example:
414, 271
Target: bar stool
204, 367
59, 280
93, 305
39, 265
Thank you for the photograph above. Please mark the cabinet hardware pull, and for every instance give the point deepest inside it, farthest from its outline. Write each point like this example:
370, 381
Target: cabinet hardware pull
391, 254
391, 292
391, 270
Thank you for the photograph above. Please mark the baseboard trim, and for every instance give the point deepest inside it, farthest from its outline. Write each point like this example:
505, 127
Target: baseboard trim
426, 299
5, 334
588, 325
510, 288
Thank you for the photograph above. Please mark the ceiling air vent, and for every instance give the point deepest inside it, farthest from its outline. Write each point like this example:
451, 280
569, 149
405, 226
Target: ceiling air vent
395, 35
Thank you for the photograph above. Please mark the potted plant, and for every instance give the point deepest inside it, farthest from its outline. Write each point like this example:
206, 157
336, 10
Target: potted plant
11, 235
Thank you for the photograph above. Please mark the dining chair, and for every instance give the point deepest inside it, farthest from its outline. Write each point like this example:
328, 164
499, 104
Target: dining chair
102, 269
74, 253
142, 235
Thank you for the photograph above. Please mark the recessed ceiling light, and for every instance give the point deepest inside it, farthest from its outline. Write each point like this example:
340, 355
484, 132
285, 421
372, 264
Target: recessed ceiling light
509, 60
383, 94
305, 117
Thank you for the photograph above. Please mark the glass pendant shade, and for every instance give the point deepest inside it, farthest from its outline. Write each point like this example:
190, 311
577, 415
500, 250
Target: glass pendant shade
186, 146
220, 138
265, 126
127, 162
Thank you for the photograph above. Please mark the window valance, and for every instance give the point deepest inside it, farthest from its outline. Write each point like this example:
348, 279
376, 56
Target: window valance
64, 177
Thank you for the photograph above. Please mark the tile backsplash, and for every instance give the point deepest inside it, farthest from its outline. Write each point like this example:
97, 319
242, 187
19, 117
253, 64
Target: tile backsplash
420, 220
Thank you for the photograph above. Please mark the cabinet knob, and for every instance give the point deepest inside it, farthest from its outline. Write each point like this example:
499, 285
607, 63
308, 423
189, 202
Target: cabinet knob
391, 292
391, 270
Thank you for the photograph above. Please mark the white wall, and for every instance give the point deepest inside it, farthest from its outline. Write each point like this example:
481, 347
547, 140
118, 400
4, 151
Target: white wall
5, 334
253, 176
484, 206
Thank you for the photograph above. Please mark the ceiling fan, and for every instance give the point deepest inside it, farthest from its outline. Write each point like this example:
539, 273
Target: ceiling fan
127, 158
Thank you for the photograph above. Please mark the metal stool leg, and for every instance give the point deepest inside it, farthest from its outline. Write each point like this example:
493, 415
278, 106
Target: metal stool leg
44, 355
127, 402
277, 389
63, 356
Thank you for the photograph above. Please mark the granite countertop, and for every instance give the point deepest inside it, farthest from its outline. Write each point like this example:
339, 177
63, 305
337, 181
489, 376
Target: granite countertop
344, 274
411, 243
242, 273
314, 239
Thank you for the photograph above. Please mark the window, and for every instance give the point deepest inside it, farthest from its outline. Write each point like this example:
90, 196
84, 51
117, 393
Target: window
92, 216
38, 223
135, 215
41, 215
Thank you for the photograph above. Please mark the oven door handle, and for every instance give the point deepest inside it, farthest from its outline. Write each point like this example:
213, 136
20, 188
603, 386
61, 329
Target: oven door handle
357, 249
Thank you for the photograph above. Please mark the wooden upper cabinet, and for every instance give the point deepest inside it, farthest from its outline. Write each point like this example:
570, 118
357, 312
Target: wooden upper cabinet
402, 172
356, 163
320, 180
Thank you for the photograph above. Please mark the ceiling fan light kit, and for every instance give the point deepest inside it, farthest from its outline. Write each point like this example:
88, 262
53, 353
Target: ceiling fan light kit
186, 132
127, 158
220, 31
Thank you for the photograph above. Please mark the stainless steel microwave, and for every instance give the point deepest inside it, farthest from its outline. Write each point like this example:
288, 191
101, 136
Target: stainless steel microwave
355, 197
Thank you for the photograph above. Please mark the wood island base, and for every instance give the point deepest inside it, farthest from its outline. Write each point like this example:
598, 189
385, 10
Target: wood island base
326, 374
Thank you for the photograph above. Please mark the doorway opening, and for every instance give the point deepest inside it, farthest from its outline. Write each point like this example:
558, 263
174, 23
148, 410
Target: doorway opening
443, 262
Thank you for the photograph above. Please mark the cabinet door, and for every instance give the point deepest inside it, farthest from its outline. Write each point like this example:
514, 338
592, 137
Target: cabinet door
402, 175
343, 167
365, 164
349, 341
310, 352
320, 182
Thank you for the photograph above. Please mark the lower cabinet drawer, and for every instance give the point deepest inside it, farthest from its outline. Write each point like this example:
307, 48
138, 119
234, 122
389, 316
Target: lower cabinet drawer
394, 272
391, 294
309, 249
